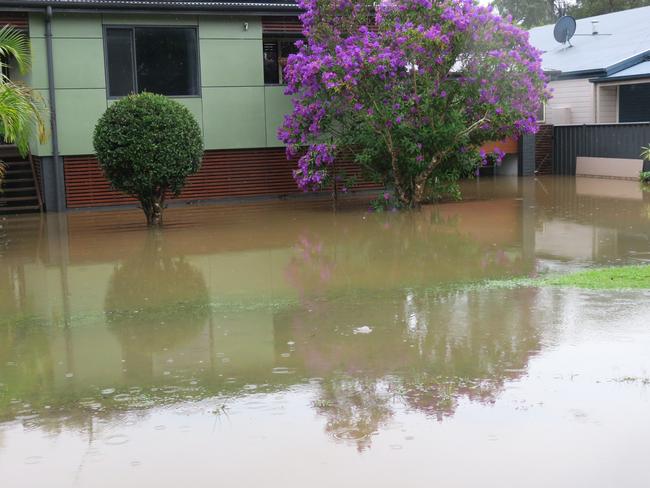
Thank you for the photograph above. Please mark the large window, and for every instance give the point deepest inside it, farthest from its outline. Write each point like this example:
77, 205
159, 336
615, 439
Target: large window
160, 60
634, 103
276, 52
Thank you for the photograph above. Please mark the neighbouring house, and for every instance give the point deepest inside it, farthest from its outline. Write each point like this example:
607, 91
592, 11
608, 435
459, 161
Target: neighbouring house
223, 60
603, 74
600, 79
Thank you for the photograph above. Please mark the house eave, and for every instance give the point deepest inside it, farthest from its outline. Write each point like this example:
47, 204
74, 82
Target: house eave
152, 6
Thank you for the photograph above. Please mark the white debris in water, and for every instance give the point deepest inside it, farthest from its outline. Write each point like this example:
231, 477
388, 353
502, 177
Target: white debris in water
362, 330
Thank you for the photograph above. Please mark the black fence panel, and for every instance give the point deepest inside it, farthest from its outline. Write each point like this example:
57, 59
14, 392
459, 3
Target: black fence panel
597, 141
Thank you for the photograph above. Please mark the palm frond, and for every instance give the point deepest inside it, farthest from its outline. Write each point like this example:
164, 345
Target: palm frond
14, 44
21, 112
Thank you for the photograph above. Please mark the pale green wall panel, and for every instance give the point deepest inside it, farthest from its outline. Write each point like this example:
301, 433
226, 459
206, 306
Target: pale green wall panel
195, 105
79, 63
82, 26
277, 105
234, 117
77, 114
231, 62
229, 28
149, 19
36, 25
36, 77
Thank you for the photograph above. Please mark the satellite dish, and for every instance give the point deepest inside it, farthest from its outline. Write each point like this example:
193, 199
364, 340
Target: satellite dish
565, 29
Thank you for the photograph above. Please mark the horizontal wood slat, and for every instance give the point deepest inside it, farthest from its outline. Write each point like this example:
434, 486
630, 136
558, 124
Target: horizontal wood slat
508, 146
16, 19
281, 25
223, 174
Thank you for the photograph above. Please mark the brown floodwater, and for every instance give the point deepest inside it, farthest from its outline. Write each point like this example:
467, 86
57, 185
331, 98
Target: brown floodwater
281, 344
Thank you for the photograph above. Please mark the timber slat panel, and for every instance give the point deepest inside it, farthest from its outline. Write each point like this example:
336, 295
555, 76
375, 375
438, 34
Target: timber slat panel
508, 146
281, 25
223, 174
16, 19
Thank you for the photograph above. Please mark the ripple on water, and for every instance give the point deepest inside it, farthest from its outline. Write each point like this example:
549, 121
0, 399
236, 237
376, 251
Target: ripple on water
34, 460
116, 440
349, 435
282, 370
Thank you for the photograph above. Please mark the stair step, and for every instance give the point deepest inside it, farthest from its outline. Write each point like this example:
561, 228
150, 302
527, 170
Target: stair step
21, 208
11, 171
18, 180
17, 189
18, 199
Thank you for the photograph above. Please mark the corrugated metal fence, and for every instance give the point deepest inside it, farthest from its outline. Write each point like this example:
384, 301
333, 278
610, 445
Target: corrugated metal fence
600, 141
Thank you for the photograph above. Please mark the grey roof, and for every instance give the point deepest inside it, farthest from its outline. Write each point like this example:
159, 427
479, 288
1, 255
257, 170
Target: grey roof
191, 5
623, 40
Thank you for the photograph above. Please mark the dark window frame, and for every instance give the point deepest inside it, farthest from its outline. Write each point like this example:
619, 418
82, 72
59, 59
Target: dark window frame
624, 115
132, 28
277, 38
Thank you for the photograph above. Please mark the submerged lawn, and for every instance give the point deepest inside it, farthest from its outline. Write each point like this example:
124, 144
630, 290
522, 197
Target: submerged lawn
625, 277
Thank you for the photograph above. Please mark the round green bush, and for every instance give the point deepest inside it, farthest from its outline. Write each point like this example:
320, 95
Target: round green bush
147, 146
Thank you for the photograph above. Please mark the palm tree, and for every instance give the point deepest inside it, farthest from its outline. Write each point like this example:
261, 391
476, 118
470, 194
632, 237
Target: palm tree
20, 107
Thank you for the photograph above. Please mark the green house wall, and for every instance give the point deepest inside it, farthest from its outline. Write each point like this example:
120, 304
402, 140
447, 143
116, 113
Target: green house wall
235, 109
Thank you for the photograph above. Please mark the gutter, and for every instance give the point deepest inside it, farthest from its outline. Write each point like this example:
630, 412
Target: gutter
643, 76
59, 177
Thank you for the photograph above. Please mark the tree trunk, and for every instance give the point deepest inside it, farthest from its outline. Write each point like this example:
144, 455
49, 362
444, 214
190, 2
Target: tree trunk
153, 208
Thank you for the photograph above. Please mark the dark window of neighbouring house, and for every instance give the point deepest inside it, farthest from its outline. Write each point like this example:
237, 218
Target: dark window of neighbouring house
154, 59
275, 55
634, 103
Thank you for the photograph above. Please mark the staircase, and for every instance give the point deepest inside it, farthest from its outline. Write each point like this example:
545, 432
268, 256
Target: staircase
19, 191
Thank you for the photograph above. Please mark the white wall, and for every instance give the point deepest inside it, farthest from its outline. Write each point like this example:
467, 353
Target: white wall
572, 102
607, 105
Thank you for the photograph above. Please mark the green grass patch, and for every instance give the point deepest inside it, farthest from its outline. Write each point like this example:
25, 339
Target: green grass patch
617, 278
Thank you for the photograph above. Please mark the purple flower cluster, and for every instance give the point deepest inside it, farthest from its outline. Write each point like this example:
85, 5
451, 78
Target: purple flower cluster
407, 67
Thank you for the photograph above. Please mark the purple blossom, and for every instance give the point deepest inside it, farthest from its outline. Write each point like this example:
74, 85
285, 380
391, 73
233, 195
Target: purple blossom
402, 68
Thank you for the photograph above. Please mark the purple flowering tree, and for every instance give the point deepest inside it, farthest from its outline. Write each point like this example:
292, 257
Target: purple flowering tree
412, 88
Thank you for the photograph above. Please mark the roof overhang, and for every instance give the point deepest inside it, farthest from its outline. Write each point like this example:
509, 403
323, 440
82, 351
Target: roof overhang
280, 7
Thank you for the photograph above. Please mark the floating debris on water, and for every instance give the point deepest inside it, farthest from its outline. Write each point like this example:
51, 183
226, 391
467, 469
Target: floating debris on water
362, 330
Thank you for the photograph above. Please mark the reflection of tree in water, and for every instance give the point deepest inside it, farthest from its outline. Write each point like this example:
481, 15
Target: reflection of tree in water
426, 352
393, 251
154, 301
355, 408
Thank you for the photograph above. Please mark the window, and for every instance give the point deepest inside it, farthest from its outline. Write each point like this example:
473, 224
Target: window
160, 60
634, 103
276, 52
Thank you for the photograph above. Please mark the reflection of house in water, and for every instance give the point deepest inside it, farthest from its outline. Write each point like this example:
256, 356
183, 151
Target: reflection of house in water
247, 292
592, 220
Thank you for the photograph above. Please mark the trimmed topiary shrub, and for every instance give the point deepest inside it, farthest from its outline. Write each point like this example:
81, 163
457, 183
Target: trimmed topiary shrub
147, 146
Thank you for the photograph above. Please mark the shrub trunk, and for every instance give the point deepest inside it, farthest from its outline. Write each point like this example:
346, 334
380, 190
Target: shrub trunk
153, 208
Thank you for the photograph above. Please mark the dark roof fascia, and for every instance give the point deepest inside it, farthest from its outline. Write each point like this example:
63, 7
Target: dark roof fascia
622, 66
578, 75
628, 63
177, 8
213, 13
621, 78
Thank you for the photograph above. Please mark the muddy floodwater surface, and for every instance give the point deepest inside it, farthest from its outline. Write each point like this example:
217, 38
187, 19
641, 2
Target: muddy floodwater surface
279, 344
